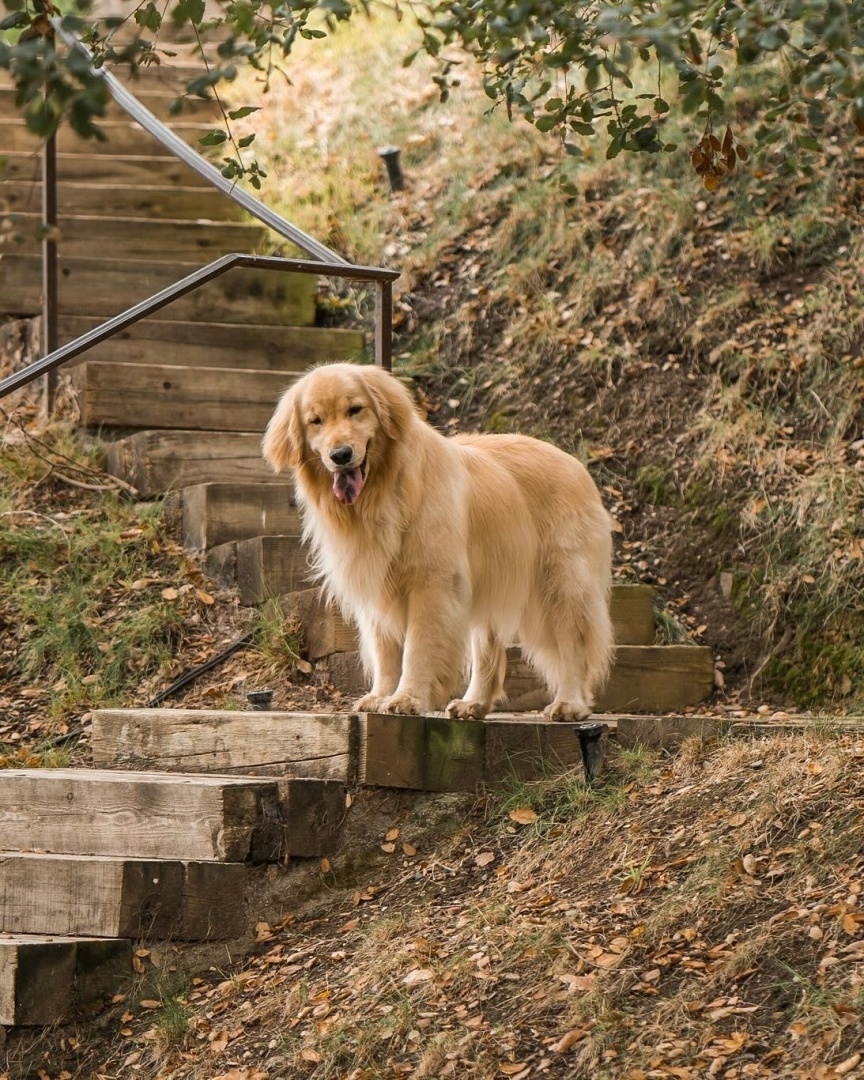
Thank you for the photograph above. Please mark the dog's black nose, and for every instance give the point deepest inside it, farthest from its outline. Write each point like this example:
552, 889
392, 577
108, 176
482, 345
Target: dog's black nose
342, 455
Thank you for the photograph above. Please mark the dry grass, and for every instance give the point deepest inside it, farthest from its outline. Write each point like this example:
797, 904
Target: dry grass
687, 911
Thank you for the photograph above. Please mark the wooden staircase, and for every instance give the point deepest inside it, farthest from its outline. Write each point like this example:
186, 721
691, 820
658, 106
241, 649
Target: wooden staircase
155, 840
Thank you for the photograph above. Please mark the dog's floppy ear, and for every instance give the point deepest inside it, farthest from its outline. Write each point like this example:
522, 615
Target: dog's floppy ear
392, 402
282, 444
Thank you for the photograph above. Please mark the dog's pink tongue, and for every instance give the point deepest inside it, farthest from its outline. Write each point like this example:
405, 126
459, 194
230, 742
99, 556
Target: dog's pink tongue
347, 486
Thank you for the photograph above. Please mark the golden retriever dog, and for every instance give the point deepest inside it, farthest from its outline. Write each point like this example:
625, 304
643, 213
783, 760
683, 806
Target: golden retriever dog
431, 544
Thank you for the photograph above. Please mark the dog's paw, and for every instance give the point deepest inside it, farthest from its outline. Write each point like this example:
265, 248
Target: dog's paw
370, 703
401, 703
569, 712
467, 710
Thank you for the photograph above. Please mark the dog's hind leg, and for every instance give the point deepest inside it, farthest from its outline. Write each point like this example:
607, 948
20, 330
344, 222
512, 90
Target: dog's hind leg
488, 668
569, 640
382, 657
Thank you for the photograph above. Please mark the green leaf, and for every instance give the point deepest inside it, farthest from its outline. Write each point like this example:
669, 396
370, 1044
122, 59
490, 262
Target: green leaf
807, 142
149, 17
247, 110
546, 123
213, 138
581, 129
660, 106
247, 140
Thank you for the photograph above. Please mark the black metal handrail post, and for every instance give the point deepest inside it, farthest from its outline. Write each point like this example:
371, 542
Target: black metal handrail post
50, 337
326, 262
382, 278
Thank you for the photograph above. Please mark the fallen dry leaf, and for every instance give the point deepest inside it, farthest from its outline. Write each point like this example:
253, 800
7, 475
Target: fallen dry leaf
418, 975
568, 1041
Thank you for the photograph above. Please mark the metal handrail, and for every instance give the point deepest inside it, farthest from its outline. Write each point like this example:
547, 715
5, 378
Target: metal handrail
383, 278
173, 143
325, 262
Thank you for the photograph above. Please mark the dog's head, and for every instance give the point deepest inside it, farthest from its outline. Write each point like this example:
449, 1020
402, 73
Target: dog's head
336, 422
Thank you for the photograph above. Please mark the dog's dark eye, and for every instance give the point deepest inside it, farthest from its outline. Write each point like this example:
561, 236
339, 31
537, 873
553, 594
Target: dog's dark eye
315, 420
355, 409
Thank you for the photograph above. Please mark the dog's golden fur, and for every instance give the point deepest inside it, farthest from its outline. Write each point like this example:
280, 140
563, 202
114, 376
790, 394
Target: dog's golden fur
432, 543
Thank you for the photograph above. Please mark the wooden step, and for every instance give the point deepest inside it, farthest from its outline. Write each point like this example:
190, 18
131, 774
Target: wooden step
261, 567
430, 753
317, 745
154, 462
153, 816
148, 201
48, 979
157, 171
216, 514
157, 98
111, 897
83, 236
109, 286
211, 344
325, 631
122, 137
644, 679
149, 395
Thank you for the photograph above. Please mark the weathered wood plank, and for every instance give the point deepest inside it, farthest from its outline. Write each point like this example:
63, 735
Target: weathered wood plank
270, 566
426, 753
109, 286
232, 345
434, 753
219, 513
153, 816
86, 236
145, 169
528, 750
122, 137
644, 678
157, 99
154, 462
46, 980
203, 399
325, 630
124, 201
318, 745
632, 611
667, 732
113, 897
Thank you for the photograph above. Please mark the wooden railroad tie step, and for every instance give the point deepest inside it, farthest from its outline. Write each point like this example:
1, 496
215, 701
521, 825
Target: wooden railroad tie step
644, 678
240, 295
261, 567
173, 396
106, 896
288, 349
154, 462
169, 238
123, 136
430, 753
152, 816
216, 514
324, 630
130, 170
49, 979
189, 202
156, 98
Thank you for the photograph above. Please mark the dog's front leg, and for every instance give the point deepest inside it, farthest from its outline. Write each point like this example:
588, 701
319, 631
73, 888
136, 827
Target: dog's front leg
382, 656
435, 648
